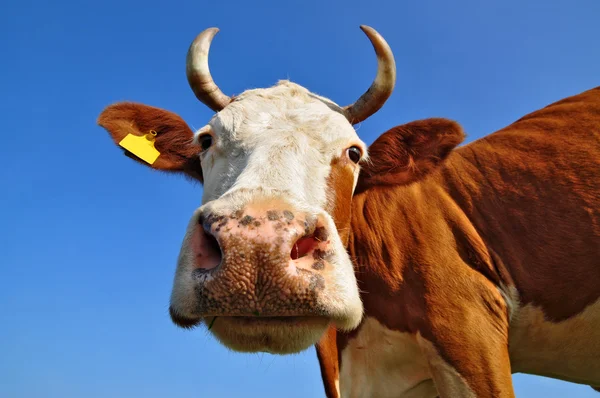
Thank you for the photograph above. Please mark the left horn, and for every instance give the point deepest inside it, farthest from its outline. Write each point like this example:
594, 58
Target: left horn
383, 85
198, 73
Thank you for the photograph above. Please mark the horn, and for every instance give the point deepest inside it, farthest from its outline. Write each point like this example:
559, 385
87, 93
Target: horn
198, 73
383, 85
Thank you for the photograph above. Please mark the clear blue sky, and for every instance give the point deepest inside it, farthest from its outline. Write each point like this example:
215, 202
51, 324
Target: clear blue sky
90, 239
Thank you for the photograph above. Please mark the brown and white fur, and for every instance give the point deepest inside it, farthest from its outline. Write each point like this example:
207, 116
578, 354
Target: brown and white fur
420, 270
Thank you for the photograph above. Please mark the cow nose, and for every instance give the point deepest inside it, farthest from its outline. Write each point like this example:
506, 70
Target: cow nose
264, 236
265, 259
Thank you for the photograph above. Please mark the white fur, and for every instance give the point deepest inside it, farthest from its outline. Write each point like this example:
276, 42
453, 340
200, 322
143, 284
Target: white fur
511, 298
281, 138
539, 346
380, 362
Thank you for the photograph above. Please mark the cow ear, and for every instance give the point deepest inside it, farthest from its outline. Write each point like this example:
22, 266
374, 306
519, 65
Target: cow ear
171, 136
406, 153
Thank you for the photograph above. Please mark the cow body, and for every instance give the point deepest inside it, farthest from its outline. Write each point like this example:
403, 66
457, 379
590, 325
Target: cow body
488, 267
418, 269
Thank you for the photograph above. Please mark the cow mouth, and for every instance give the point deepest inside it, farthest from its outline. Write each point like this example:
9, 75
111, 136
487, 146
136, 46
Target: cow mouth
270, 321
273, 334
183, 321
241, 321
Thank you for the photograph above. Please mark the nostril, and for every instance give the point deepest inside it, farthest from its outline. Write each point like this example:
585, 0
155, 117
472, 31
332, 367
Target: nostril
206, 249
303, 247
212, 243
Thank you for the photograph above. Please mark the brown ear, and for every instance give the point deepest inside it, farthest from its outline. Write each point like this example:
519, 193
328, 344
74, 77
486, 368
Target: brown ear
406, 153
173, 135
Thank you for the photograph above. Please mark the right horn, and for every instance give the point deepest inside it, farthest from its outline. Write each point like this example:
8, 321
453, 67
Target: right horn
198, 73
383, 85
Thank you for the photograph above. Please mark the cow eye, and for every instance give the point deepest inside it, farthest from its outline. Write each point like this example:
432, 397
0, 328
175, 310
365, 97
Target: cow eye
205, 141
354, 153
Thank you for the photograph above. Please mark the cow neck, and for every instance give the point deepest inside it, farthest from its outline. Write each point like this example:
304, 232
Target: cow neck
398, 234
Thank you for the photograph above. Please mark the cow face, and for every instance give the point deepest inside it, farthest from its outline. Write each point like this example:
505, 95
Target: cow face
263, 262
263, 249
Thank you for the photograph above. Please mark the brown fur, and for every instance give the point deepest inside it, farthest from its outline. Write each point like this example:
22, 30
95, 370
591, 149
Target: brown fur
533, 195
409, 152
520, 207
327, 353
340, 186
173, 135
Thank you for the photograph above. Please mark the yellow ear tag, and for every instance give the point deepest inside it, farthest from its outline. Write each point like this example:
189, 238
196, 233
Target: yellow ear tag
142, 147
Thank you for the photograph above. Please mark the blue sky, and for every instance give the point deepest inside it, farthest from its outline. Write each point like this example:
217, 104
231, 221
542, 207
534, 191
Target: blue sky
89, 239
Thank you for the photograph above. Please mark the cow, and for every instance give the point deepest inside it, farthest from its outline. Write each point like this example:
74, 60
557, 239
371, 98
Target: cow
417, 267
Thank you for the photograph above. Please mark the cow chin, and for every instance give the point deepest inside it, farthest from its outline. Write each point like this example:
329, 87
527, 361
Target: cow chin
275, 335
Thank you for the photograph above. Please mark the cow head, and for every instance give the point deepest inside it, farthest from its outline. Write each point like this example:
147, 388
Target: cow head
263, 262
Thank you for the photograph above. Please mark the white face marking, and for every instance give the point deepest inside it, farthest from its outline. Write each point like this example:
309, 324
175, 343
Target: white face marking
538, 346
282, 138
379, 362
